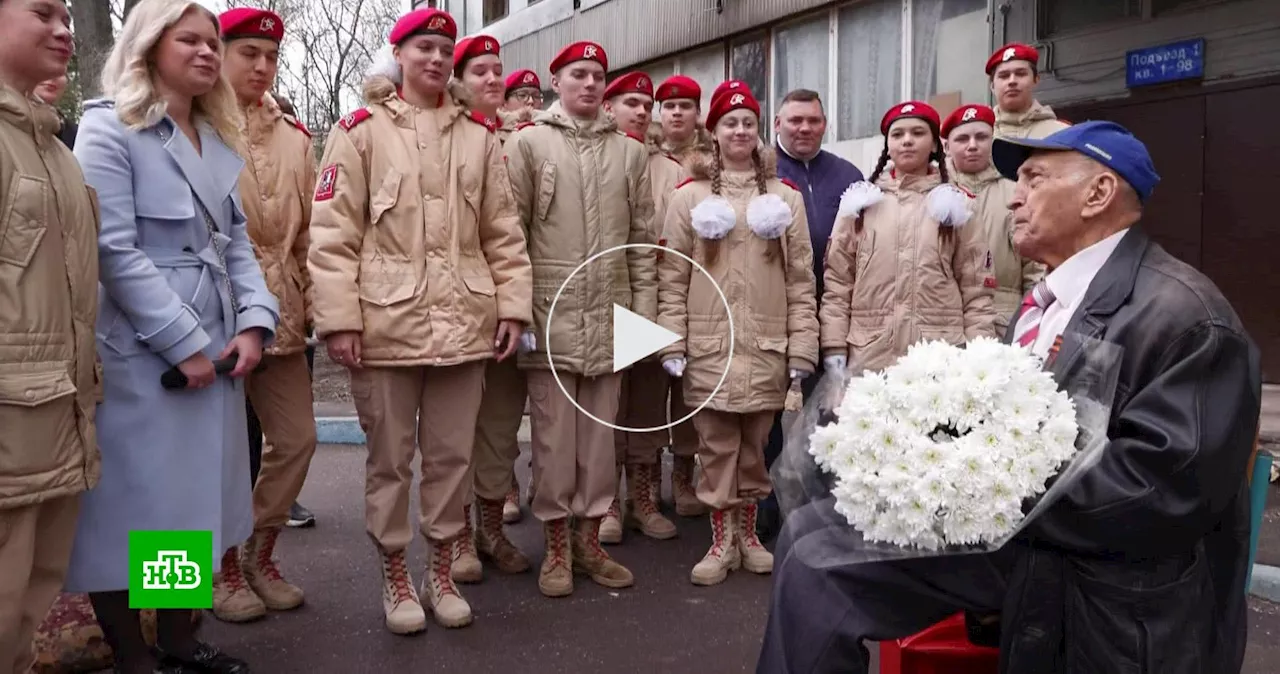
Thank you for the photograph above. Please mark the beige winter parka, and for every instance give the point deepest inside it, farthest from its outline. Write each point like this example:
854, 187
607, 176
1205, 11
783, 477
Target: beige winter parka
764, 266
276, 186
415, 241
50, 382
581, 188
899, 281
665, 172
1037, 121
1007, 273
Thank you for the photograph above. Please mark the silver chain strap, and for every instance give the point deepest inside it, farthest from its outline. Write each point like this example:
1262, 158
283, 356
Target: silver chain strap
222, 259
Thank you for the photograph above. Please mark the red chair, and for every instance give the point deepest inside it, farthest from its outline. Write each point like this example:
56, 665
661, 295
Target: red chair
941, 649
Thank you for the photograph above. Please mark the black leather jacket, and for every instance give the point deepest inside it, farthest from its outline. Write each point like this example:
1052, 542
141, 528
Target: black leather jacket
1141, 568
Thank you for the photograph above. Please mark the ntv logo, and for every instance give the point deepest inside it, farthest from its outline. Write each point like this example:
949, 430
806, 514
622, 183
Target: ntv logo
170, 571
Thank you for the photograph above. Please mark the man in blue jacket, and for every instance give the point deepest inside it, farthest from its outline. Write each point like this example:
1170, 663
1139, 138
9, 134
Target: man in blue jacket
822, 178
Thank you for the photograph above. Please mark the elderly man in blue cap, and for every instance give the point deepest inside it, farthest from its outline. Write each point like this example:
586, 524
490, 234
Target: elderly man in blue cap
1141, 567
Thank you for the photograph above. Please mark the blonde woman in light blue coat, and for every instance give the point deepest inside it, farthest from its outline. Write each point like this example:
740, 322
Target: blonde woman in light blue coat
180, 287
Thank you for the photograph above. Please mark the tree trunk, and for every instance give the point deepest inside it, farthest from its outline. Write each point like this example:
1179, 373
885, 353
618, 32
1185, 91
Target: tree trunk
93, 37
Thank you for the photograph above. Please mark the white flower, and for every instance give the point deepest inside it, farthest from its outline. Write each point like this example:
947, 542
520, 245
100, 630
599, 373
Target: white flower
944, 447
768, 216
713, 217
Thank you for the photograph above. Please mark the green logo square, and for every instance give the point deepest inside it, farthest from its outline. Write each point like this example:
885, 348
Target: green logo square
171, 569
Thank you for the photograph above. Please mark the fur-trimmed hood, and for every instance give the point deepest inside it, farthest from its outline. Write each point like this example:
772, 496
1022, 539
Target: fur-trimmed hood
378, 89
556, 116
511, 119
699, 163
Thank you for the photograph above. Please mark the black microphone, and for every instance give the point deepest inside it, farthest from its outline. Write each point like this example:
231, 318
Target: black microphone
173, 378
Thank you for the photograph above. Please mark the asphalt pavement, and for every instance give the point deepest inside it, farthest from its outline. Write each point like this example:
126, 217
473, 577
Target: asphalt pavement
662, 624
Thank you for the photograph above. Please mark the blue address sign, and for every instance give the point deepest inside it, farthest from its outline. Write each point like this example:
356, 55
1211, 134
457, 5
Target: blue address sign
1165, 63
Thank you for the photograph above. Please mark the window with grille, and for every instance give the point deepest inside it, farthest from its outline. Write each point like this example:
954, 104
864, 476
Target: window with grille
494, 10
1059, 16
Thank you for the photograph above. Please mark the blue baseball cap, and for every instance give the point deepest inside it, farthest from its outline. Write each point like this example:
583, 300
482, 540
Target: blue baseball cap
1106, 142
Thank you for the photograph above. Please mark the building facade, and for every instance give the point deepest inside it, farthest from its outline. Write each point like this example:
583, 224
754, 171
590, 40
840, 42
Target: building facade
1210, 128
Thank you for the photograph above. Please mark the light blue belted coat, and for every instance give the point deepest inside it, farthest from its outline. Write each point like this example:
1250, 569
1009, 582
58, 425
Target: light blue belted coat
170, 459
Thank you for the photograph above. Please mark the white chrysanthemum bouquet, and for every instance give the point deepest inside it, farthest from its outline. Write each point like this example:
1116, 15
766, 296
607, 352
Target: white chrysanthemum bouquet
944, 448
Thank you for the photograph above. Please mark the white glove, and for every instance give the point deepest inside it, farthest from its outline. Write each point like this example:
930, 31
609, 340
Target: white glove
528, 342
674, 367
799, 374
835, 363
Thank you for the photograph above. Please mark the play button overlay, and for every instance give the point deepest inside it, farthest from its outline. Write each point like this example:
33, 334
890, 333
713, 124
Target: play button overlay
636, 338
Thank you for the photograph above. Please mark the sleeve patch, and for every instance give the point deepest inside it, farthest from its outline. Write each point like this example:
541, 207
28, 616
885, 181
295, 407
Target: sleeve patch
990, 282
328, 179
487, 122
788, 183
352, 119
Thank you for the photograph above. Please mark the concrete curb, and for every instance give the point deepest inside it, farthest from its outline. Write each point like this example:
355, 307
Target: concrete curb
1266, 582
346, 431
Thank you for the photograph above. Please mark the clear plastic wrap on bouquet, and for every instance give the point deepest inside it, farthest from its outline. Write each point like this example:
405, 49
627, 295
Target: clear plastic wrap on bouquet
820, 536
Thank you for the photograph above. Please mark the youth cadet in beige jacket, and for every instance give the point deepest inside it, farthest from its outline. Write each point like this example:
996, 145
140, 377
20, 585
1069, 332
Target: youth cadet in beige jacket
1014, 73
748, 229
421, 276
582, 188
49, 380
629, 99
678, 132
275, 188
967, 134
904, 264
477, 67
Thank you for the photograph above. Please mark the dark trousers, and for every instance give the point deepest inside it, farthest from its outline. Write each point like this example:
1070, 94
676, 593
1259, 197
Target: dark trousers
819, 617
255, 426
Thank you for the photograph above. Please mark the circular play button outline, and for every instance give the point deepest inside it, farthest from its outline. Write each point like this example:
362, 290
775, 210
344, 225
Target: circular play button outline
551, 312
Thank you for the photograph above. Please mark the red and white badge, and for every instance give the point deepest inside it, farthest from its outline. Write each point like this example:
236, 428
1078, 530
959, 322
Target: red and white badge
328, 179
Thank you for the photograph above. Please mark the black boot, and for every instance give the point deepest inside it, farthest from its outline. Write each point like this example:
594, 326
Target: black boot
204, 659
300, 517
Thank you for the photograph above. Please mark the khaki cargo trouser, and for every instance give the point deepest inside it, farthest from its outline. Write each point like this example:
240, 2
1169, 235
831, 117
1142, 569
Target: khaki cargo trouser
731, 450
281, 397
684, 437
35, 551
497, 428
401, 409
573, 455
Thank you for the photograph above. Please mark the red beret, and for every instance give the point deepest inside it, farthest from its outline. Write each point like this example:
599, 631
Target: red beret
909, 110
1013, 52
580, 51
249, 22
522, 79
730, 85
728, 101
471, 47
679, 86
968, 113
428, 20
631, 83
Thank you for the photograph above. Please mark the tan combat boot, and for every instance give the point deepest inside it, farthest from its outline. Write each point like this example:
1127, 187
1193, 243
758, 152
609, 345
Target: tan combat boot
643, 512
492, 542
466, 563
555, 579
511, 507
591, 559
755, 557
682, 491
263, 575
723, 556
611, 525
446, 603
233, 600
399, 600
